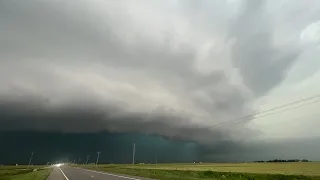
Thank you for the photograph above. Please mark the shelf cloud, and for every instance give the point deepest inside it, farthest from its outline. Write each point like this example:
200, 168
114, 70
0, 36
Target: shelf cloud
171, 68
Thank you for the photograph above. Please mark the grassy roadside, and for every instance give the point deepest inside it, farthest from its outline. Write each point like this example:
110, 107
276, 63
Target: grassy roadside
20, 173
162, 174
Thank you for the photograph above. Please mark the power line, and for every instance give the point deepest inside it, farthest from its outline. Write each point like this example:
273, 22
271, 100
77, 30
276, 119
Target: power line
248, 117
295, 107
288, 104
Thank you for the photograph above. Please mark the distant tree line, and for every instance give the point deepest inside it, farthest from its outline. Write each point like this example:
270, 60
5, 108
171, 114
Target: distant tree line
282, 160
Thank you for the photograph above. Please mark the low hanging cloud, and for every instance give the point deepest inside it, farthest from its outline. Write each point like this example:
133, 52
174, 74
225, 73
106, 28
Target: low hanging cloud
157, 67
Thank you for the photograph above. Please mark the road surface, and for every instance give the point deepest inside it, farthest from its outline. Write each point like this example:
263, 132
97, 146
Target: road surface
74, 173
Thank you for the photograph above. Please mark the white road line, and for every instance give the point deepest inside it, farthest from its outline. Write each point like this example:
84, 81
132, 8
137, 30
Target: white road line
63, 173
109, 174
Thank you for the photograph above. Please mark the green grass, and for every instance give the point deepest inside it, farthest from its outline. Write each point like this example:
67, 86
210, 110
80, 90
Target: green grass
24, 173
218, 171
306, 168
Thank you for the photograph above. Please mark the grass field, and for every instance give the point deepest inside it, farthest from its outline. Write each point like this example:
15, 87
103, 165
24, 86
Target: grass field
24, 173
309, 168
218, 171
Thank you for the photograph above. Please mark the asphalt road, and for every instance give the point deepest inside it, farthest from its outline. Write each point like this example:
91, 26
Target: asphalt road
73, 173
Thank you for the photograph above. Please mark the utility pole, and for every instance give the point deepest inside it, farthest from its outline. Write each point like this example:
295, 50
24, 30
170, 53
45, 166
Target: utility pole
133, 152
156, 159
30, 159
98, 157
87, 159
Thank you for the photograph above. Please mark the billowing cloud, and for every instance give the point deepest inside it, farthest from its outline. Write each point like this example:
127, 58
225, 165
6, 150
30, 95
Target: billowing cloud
175, 69
254, 52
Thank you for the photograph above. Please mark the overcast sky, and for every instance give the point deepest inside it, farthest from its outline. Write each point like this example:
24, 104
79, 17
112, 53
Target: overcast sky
183, 69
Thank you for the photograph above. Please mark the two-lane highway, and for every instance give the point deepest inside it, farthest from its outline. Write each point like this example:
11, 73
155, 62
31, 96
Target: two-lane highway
73, 173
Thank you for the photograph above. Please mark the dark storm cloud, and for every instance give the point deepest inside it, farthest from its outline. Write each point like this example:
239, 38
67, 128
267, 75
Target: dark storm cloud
36, 114
43, 37
90, 66
114, 147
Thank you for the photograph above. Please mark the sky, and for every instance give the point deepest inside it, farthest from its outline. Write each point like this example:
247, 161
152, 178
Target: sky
182, 70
